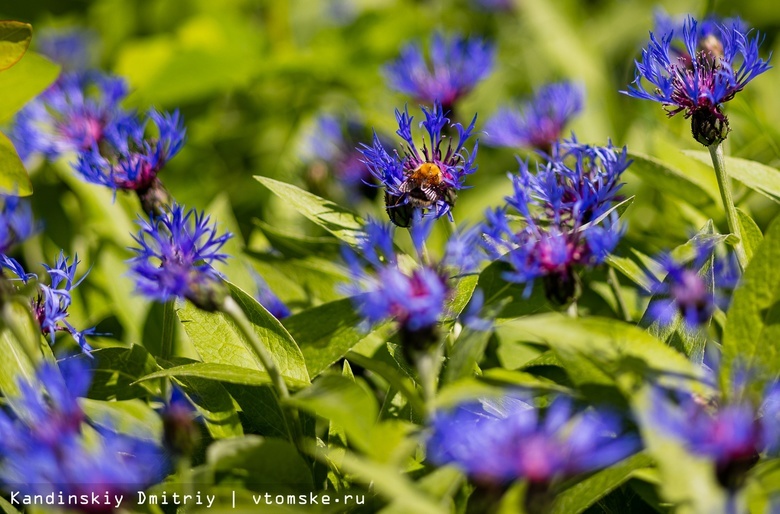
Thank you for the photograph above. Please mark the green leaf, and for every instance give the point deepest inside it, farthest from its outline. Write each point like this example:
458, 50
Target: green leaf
116, 371
15, 38
235, 269
753, 326
758, 177
265, 464
300, 281
602, 350
582, 495
13, 175
751, 234
295, 245
340, 222
326, 333
131, 417
346, 402
693, 188
219, 341
386, 481
466, 353
221, 373
496, 290
214, 405
6, 507
259, 409
16, 364
393, 376
24, 81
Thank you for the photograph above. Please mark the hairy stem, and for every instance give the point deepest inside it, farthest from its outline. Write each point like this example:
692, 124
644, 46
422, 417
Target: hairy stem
166, 340
719, 164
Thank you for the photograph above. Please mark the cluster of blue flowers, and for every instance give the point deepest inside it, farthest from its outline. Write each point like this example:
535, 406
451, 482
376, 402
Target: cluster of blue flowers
499, 442
48, 446
567, 207
416, 299
51, 303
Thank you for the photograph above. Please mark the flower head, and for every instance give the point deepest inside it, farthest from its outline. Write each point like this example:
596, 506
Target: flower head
692, 291
78, 112
700, 80
46, 450
384, 287
426, 179
457, 65
566, 209
732, 435
539, 121
51, 304
132, 161
524, 443
16, 223
177, 250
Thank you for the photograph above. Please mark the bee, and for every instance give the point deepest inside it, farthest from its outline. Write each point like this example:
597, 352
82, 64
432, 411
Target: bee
422, 188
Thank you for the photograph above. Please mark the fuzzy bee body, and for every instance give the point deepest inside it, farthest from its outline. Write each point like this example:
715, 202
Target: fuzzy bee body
422, 189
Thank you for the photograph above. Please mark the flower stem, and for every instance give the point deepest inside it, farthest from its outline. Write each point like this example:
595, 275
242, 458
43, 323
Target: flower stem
572, 310
428, 366
615, 285
719, 164
166, 341
231, 309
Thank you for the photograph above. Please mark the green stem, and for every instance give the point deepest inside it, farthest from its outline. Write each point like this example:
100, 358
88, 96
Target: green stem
166, 341
719, 164
614, 283
428, 368
231, 309
572, 310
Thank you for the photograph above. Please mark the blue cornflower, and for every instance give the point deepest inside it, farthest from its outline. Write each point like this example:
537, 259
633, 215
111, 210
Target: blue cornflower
333, 143
458, 64
538, 122
46, 450
50, 306
692, 291
268, 298
180, 430
78, 112
384, 288
68, 47
700, 81
498, 6
415, 299
132, 161
566, 209
16, 223
520, 442
177, 250
732, 435
426, 179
